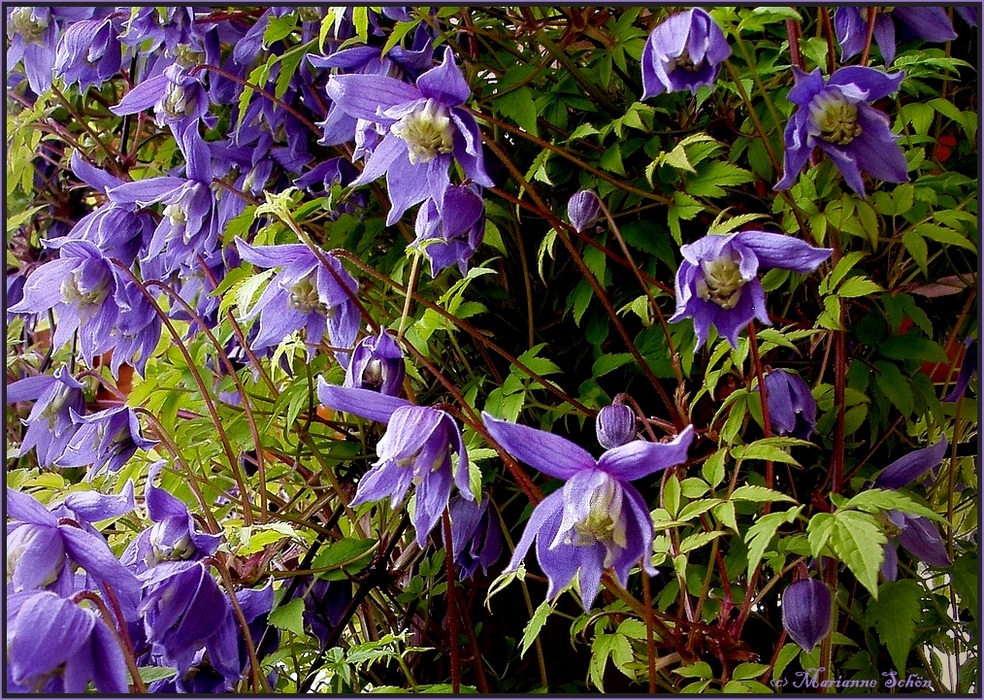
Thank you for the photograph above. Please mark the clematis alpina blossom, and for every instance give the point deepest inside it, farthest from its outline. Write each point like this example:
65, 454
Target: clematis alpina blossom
836, 115
717, 282
476, 537
919, 536
583, 209
49, 425
851, 27
303, 294
425, 128
682, 53
57, 646
598, 520
377, 363
806, 608
104, 440
451, 227
415, 450
792, 409
910, 467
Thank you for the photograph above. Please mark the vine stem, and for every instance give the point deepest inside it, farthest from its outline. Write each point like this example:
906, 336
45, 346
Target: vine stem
408, 298
259, 681
647, 601
866, 53
766, 422
452, 605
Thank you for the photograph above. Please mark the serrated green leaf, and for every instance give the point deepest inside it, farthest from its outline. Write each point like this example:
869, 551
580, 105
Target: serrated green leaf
759, 494
894, 385
534, 626
748, 671
289, 617
713, 469
700, 669
818, 532
519, 106
916, 245
785, 656
698, 540
762, 451
857, 287
879, 500
895, 614
759, 536
859, 543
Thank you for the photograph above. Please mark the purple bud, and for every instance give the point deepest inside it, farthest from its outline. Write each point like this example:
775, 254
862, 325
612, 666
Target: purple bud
583, 209
907, 469
377, 364
806, 607
792, 410
921, 539
615, 426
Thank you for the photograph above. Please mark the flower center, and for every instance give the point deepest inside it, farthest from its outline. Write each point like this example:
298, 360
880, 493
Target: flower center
167, 545
835, 118
722, 282
683, 62
72, 292
187, 57
304, 297
23, 23
175, 102
604, 523
372, 375
427, 132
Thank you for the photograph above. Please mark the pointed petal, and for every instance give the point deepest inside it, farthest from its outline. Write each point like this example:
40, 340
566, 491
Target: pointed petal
361, 402
782, 251
551, 454
445, 82
545, 518
365, 96
907, 469
92, 506
923, 541
640, 458
433, 493
143, 96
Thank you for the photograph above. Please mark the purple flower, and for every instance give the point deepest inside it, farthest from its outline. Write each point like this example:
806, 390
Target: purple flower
177, 95
104, 440
50, 425
597, 520
583, 209
184, 610
907, 469
325, 603
806, 608
851, 26
683, 52
89, 52
717, 282
33, 34
424, 126
415, 449
792, 409
377, 364
172, 537
968, 13
837, 116
304, 294
41, 543
615, 426
919, 537
968, 367
450, 228
55, 646
476, 537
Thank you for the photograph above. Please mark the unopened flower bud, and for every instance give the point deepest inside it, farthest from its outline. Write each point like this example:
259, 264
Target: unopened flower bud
583, 209
615, 426
377, 364
806, 607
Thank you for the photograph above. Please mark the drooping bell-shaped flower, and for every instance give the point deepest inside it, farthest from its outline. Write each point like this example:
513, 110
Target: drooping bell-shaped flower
919, 536
683, 52
325, 603
377, 364
57, 646
451, 227
615, 426
583, 209
476, 536
968, 368
851, 27
424, 128
836, 115
415, 450
104, 440
598, 520
717, 282
792, 409
910, 467
806, 609
49, 426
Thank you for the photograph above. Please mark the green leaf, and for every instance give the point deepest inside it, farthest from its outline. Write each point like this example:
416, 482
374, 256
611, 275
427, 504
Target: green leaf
760, 534
857, 287
714, 176
895, 615
748, 671
534, 626
912, 346
519, 106
916, 246
701, 669
616, 646
759, 494
786, 655
149, 674
880, 500
946, 236
762, 450
289, 617
713, 469
345, 554
895, 386
698, 540
859, 543
818, 531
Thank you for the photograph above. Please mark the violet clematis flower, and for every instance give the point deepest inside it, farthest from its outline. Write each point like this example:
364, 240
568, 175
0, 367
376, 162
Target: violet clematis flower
597, 520
377, 364
806, 608
851, 26
583, 209
717, 282
173, 536
89, 52
424, 127
325, 603
837, 117
907, 469
451, 227
918, 536
615, 426
56, 646
792, 409
104, 440
476, 537
184, 611
304, 294
50, 425
968, 368
41, 543
415, 449
683, 52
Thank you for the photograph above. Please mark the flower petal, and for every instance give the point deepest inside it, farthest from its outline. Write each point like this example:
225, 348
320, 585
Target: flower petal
361, 402
776, 250
640, 458
907, 469
551, 454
